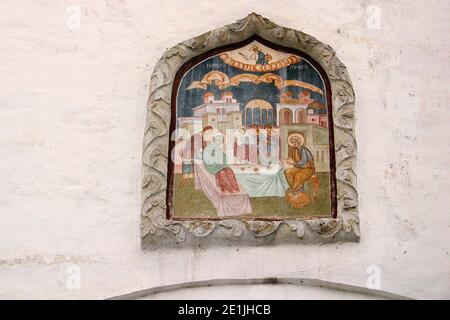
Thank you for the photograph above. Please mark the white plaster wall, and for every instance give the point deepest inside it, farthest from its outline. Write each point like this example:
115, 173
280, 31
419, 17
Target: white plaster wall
72, 110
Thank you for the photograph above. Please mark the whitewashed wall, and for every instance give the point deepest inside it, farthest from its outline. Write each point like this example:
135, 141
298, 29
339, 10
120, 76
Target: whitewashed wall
72, 110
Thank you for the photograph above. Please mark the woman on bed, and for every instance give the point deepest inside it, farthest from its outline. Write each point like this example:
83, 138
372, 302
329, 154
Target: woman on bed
215, 161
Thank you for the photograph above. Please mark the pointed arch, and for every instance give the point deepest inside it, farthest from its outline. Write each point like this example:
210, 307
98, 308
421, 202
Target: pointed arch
157, 229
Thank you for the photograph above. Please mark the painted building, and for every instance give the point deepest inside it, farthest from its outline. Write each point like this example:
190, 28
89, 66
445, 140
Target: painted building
301, 110
221, 114
258, 112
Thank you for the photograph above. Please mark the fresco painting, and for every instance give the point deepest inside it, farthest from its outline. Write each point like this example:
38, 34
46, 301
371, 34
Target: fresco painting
251, 138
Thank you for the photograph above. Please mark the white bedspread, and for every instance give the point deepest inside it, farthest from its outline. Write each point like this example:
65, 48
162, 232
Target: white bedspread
227, 204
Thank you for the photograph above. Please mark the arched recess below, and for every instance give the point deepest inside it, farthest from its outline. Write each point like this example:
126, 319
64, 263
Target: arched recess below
266, 288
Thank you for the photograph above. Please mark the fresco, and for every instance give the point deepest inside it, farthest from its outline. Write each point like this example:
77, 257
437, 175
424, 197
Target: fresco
251, 138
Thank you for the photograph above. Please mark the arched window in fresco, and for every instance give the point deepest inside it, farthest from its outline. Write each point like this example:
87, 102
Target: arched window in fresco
300, 116
257, 116
263, 117
248, 116
270, 116
285, 116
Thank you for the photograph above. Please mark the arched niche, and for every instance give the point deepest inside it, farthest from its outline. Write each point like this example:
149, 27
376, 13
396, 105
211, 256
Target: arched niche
159, 229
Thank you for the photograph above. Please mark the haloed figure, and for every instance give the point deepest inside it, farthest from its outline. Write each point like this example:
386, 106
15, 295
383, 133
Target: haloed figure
301, 169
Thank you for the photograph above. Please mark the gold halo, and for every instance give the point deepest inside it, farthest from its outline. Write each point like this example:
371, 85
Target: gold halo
295, 136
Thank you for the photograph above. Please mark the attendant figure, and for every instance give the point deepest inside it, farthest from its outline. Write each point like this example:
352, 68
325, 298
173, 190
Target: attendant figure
252, 144
241, 149
191, 153
268, 145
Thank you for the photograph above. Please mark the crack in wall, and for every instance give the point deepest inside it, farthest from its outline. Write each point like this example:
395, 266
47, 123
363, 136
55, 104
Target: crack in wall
48, 259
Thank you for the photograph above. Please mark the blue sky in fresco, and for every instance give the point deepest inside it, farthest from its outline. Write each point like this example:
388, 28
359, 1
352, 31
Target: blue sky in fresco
188, 99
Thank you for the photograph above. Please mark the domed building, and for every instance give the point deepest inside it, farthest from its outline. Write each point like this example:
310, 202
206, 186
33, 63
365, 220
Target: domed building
258, 112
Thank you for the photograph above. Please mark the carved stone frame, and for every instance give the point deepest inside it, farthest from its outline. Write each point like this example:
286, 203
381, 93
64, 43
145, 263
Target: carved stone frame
158, 231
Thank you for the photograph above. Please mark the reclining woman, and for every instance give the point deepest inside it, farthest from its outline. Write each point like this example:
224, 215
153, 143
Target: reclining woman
215, 161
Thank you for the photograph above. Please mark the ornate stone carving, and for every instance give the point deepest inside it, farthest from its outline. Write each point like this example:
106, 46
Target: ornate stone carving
158, 231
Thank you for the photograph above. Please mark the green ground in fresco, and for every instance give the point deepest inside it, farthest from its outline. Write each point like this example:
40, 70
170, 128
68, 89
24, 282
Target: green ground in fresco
189, 202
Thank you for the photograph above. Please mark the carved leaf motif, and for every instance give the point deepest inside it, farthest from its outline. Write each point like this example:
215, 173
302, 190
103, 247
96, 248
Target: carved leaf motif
201, 229
345, 145
199, 42
343, 95
222, 34
177, 50
344, 117
347, 196
261, 20
345, 171
153, 208
161, 76
297, 226
328, 54
181, 235
306, 41
337, 71
325, 228
239, 25
153, 183
355, 227
147, 227
261, 228
155, 128
351, 222
158, 157
279, 32
346, 175
235, 226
